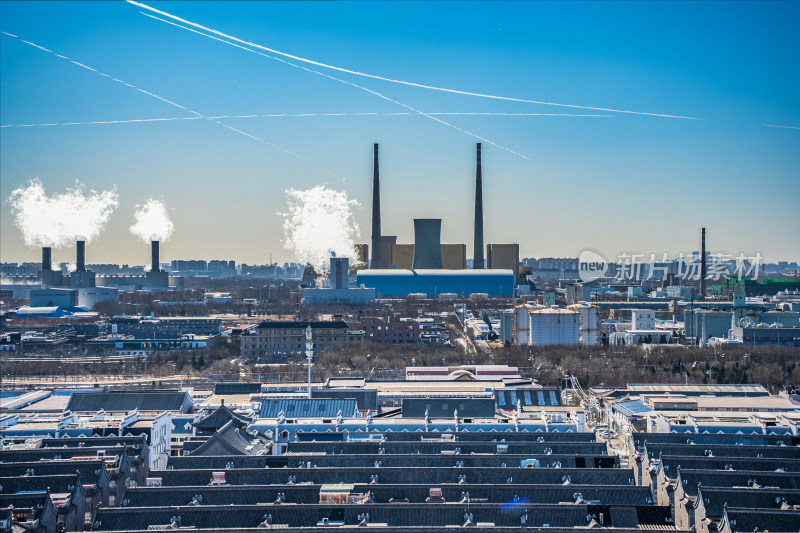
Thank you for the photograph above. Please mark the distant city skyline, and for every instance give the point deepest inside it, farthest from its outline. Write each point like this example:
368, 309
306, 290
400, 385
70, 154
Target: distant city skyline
599, 179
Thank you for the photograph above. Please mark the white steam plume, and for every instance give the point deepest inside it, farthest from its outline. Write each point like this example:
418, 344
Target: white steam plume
152, 222
319, 221
60, 218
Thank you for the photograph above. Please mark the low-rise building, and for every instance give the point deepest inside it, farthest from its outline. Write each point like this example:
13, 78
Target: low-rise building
275, 340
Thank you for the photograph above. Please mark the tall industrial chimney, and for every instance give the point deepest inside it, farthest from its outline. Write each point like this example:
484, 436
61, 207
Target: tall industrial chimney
477, 253
703, 265
80, 260
47, 259
155, 266
377, 259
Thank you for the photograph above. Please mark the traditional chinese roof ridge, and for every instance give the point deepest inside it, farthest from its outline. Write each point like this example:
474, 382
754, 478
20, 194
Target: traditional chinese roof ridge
221, 416
230, 440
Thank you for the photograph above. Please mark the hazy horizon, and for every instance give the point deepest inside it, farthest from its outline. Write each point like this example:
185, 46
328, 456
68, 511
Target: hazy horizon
557, 185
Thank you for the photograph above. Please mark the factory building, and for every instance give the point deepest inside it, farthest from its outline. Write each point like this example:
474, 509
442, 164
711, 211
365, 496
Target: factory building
361, 259
91, 296
454, 256
339, 276
703, 324
81, 277
48, 276
503, 256
401, 256
54, 297
338, 287
156, 278
399, 283
387, 243
755, 335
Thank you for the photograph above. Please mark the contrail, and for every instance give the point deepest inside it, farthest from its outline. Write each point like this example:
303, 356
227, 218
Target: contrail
776, 126
281, 115
346, 83
170, 102
391, 80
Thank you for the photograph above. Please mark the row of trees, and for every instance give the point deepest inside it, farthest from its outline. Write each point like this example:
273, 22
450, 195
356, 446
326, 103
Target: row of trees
777, 368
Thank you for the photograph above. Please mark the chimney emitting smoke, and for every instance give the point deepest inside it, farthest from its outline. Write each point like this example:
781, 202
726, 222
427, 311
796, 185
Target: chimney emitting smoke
80, 260
377, 260
47, 259
155, 266
477, 253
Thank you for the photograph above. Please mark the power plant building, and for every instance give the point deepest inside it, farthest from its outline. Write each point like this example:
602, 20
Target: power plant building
399, 283
54, 297
402, 256
427, 243
339, 275
362, 257
454, 256
503, 256
81, 277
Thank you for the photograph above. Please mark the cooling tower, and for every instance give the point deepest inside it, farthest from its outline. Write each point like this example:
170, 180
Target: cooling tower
477, 253
377, 249
80, 259
427, 243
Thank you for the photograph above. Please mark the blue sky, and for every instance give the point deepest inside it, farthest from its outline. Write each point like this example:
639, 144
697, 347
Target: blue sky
621, 183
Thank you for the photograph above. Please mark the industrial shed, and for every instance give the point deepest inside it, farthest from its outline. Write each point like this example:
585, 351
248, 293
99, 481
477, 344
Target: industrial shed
399, 283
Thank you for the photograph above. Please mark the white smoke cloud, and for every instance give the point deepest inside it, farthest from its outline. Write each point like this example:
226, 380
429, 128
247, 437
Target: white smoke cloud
152, 222
60, 218
319, 221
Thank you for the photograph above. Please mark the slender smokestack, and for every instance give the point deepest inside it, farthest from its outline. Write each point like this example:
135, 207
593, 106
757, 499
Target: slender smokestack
703, 264
155, 267
80, 260
47, 259
477, 253
377, 260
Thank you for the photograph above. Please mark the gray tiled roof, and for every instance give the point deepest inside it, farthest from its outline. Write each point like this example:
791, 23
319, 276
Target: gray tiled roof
445, 407
117, 401
307, 407
230, 440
